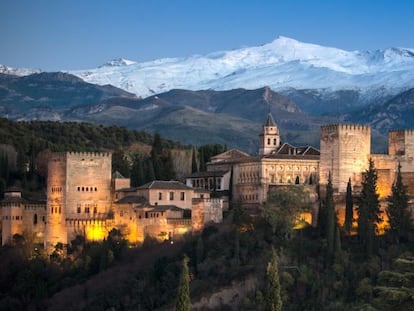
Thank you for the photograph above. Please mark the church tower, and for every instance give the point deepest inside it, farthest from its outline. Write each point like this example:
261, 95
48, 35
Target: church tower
269, 137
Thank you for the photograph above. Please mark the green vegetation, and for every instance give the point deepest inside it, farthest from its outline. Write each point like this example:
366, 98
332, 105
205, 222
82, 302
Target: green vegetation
273, 301
110, 275
349, 206
369, 209
397, 210
183, 296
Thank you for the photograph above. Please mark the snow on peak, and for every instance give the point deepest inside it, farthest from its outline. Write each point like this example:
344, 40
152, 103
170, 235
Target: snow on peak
17, 71
281, 64
117, 62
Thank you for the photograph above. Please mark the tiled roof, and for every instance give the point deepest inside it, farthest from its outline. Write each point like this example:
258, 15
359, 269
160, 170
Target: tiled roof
162, 184
130, 189
208, 174
132, 199
117, 175
163, 208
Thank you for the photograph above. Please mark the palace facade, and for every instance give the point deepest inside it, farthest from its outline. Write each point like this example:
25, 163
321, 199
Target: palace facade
345, 150
84, 198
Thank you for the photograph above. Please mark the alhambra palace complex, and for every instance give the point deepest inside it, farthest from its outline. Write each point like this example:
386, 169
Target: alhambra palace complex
84, 198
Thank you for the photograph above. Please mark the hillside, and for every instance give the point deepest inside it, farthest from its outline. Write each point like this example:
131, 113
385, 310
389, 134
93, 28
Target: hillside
396, 113
45, 96
231, 118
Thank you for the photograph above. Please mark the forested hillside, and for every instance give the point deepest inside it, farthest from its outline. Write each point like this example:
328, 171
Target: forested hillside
25, 146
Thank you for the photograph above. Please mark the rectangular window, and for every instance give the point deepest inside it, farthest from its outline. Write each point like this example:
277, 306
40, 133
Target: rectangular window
159, 195
171, 196
182, 196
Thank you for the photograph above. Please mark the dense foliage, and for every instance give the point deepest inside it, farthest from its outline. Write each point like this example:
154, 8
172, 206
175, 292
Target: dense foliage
369, 209
397, 210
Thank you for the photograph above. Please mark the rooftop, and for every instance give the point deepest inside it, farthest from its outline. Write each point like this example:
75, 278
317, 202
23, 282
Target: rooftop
162, 184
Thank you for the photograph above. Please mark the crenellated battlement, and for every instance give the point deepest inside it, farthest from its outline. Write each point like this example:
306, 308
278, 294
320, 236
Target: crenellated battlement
79, 155
408, 132
75, 154
343, 126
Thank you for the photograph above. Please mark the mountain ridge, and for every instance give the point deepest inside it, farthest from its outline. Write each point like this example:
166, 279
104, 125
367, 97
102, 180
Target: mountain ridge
282, 64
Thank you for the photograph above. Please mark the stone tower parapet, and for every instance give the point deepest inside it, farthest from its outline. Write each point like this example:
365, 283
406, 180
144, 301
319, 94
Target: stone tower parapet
78, 187
401, 143
345, 151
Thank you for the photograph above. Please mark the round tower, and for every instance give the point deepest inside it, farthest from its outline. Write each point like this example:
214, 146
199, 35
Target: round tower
56, 231
269, 136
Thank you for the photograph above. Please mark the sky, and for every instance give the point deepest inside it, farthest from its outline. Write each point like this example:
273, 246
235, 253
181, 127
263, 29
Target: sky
55, 35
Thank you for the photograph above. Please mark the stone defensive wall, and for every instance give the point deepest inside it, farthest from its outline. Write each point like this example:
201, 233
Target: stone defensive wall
343, 126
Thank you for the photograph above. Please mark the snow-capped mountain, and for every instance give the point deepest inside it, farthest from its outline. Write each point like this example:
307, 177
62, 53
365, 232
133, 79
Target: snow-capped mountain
18, 71
282, 64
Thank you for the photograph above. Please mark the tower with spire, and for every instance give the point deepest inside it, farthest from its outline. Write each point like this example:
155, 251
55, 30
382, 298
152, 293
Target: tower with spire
269, 136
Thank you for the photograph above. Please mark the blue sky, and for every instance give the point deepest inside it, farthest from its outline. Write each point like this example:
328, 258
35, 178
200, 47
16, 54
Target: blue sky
81, 34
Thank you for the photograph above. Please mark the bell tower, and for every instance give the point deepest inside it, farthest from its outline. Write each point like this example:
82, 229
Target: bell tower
269, 136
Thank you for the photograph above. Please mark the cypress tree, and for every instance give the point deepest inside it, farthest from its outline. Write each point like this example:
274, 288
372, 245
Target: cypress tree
397, 209
368, 209
330, 217
338, 244
202, 161
273, 300
183, 296
349, 205
148, 170
137, 172
194, 166
168, 167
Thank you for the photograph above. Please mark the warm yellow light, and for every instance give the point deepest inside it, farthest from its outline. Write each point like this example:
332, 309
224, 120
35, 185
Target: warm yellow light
94, 232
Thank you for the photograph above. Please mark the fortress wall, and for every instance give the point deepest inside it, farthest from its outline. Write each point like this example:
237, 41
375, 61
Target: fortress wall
345, 150
401, 142
11, 222
92, 230
34, 221
88, 184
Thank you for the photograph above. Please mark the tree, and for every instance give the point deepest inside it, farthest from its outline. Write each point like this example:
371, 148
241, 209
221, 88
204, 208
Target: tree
183, 296
282, 208
368, 209
349, 205
330, 217
202, 161
168, 167
273, 300
397, 209
137, 172
194, 166
149, 170
120, 163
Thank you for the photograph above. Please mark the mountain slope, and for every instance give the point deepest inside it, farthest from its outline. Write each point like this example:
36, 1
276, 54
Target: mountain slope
44, 95
282, 64
396, 113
